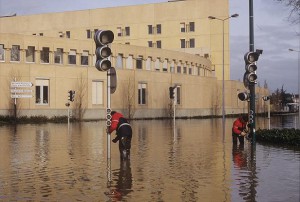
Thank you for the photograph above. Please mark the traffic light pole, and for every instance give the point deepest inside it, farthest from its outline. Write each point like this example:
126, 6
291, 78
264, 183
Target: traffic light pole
108, 110
252, 86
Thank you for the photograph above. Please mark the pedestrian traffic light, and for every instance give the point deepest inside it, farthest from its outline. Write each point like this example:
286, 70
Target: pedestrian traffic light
71, 95
172, 92
250, 76
102, 39
244, 96
266, 98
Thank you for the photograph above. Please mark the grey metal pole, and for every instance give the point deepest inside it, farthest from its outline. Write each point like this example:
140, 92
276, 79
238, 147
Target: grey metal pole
223, 82
107, 121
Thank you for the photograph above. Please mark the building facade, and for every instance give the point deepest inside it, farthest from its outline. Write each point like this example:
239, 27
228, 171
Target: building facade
156, 46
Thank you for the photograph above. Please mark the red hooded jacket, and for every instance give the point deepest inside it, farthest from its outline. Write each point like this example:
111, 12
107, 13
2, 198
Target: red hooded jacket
114, 121
238, 126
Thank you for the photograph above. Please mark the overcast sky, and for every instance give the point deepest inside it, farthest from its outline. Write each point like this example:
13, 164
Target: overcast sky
272, 33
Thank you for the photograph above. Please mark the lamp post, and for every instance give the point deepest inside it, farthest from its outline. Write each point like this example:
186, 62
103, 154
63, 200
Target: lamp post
223, 85
290, 49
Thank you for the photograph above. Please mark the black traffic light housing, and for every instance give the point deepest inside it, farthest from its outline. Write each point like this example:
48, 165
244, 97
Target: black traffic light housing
102, 39
244, 96
71, 95
172, 92
250, 76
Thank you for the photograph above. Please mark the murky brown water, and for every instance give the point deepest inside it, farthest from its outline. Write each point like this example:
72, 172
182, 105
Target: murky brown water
193, 163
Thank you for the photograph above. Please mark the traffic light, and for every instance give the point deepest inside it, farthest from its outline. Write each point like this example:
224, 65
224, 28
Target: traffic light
266, 98
71, 95
250, 76
102, 39
172, 92
244, 96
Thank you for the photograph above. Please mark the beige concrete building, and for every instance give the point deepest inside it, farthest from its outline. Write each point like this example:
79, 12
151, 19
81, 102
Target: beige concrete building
156, 46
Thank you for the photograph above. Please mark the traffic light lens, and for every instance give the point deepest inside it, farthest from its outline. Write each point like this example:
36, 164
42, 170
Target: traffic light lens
252, 77
103, 65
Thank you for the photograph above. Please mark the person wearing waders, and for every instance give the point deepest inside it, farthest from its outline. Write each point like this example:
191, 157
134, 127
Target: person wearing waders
123, 132
239, 129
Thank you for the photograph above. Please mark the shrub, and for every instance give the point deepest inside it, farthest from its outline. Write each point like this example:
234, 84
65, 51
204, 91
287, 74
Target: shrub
279, 136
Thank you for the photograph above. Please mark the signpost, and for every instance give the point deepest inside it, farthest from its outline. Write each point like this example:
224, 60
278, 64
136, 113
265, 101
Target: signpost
17, 93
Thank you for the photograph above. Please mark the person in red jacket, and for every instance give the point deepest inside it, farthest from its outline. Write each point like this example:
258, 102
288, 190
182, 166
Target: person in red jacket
239, 129
123, 132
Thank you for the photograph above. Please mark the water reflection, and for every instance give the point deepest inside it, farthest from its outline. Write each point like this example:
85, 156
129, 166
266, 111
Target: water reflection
244, 172
192, 161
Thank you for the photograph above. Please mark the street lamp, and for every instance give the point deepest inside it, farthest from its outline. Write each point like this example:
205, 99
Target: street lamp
290, 49
223, 85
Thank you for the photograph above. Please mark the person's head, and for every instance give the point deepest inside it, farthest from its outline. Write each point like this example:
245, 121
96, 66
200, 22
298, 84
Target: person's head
113, 112
245, 118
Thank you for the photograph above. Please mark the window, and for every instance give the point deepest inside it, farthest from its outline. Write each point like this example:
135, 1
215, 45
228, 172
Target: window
30, 54
129, 62
150, 44
15, 53
72, 57
88, 34
172, 66
165, 65
119, 63
192, 43
68, 34
150, 31
182, 27
184, 69
190, 70
58, 56
192, 26
178, 68
182, 43
142, 93
139, 62
2, 52
148, 63
157, 64
158, 44
119, 30
127, 31
42, 91
97, 92
45, 55
85, 58
41, 34
158, 27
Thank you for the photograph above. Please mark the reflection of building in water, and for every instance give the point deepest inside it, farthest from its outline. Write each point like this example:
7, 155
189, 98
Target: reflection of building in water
244, 172
154, 48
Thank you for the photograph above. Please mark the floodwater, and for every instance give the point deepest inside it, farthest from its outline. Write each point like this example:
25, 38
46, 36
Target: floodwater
194, 162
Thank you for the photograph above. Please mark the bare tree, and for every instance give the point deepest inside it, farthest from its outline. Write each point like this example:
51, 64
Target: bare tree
294, 5
128, 98
80, 103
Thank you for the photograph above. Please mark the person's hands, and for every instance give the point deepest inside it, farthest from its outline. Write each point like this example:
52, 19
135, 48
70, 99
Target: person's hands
114, 140
243, 133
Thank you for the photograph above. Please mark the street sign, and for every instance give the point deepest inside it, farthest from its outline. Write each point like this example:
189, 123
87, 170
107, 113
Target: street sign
16, 84
20, 96
20, 91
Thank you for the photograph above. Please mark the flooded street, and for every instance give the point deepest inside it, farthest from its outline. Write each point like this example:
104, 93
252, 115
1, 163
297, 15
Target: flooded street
194, 162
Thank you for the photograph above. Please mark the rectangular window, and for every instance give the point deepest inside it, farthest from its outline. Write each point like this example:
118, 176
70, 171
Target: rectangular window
157, 64
172, 66
149, 63
150, 29
88, 34
42, 91
45, 55
127, 31
68, 34
182, 43
85, 58
97, 92
158, 44
72, 57
129, 62
58, 56
119, 30
192, 26
158, 27
139, 62
178, 69
184, 69
119, 63
15, 53
2, 52
41, 34
165, 65
150, 44
182, 27
192, 43
142, 93
30, 54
